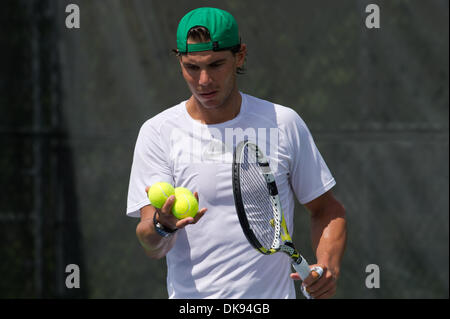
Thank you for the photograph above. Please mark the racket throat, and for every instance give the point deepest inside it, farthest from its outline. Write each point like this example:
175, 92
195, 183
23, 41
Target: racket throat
288, 248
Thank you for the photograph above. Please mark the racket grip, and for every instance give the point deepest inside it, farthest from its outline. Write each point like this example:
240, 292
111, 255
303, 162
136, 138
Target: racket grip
303, 270
317, 273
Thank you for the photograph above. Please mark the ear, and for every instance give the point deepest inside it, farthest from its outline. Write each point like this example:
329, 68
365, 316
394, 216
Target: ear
240, 56
180, 60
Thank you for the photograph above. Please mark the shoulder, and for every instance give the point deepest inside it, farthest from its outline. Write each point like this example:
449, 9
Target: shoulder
279, 114
162, 120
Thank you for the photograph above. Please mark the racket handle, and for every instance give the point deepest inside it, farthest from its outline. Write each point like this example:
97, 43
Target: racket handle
303, 270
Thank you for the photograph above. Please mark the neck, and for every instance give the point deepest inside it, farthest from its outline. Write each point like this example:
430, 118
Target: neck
227, 111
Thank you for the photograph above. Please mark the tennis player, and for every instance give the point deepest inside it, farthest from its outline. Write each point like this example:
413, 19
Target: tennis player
191, 145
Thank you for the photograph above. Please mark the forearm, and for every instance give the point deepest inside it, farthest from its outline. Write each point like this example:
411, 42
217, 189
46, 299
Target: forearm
155, 245
328, 230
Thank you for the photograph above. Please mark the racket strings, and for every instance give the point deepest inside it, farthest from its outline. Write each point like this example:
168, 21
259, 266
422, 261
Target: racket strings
257, 203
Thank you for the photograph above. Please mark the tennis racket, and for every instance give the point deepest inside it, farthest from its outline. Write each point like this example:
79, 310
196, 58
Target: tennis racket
259, 208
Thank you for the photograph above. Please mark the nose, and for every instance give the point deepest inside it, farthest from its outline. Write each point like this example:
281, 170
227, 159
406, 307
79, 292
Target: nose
204, 79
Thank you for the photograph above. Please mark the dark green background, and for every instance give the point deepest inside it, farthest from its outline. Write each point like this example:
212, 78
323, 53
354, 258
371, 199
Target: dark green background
72, 102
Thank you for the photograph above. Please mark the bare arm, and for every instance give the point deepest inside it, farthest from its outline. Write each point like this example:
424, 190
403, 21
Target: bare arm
329, 235
328, 231
155, 245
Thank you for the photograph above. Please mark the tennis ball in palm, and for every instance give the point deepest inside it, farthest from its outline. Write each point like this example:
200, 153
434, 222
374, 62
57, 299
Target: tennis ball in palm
185, 204
159, 192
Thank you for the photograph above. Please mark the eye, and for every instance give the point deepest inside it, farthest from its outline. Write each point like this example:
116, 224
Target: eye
216, 65
191, 67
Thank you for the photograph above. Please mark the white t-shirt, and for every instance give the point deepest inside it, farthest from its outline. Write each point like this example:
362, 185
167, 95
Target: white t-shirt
213, 259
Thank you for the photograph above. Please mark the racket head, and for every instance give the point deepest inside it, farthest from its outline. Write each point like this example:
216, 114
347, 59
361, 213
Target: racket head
256, 198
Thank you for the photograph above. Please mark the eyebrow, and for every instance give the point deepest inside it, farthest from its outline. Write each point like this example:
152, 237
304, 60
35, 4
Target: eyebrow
214, 62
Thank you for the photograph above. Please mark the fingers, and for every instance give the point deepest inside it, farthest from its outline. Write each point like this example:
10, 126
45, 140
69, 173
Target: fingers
181, 223
167, 207
319, 288
324, 292
199, 215
191, 220
323, 287
295, 276
166, 217
312, 278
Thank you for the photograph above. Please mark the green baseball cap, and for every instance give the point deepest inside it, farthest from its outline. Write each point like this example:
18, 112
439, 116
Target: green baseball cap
221, 25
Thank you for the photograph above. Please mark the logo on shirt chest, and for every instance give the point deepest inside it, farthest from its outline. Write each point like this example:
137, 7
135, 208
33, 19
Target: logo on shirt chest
203, 145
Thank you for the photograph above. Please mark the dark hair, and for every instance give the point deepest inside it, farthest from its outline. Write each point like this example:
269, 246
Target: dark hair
201, 34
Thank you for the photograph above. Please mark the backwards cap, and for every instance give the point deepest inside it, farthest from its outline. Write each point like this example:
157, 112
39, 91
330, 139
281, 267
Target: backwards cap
222, 27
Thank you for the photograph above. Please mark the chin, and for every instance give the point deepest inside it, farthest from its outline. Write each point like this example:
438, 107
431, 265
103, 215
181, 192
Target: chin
210, 104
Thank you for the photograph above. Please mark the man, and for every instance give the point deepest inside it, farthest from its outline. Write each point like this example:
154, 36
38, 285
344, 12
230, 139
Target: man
188, 145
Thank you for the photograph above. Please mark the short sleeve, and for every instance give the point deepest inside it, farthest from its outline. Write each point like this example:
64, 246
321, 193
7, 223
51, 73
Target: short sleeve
309, 174
150, 165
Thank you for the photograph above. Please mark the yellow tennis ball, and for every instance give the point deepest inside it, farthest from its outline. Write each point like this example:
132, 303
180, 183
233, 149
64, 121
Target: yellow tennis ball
159, 192
185, 204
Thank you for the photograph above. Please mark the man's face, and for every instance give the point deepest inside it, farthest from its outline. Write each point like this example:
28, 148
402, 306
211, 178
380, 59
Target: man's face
211, 76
